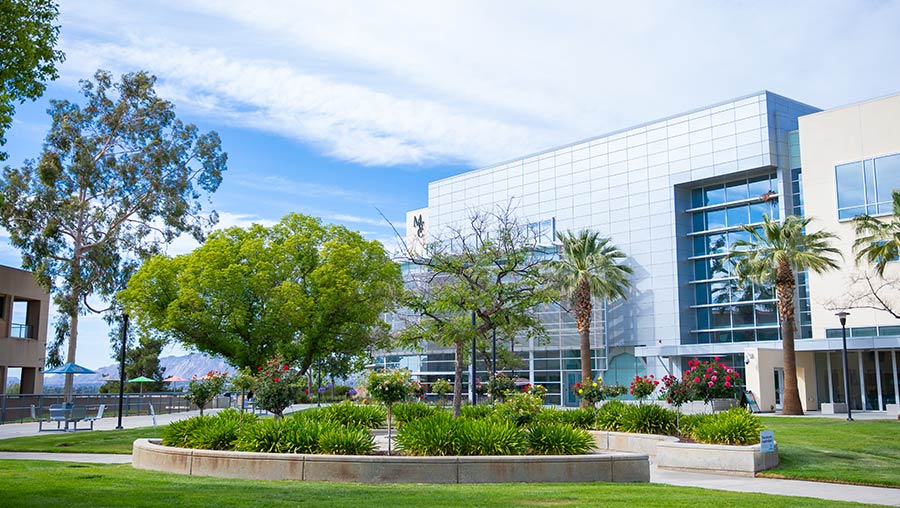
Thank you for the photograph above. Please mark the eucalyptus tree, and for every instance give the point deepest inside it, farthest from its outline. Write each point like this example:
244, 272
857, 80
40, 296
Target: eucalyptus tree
28, 34
589, 267
775, 253
299, 290
483, 277
118, 177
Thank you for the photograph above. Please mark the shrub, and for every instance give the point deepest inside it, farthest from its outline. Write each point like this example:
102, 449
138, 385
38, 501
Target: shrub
417, 390
349, 414
277, 385
201, 391
499, 385
582, 418
642, 387
433, 435
409, 411
301, 435
441, 387
178, 433
489, 437
609, 416
520, 408
648, 419
266, 435
711, 380
558, 439
346, 441
476, 412
589, 390
689, 423
737, 426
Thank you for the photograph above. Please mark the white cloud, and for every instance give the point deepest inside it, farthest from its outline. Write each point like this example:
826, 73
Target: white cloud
385, 83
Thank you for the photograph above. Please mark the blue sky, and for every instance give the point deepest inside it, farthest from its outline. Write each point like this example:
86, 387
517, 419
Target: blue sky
337, 108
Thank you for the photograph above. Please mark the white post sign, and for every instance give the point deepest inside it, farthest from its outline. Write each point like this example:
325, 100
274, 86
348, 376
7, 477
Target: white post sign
767, 441
153, 414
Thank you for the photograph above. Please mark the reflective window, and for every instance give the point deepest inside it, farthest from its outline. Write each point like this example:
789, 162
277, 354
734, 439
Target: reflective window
865, 187
737, 215
714, 196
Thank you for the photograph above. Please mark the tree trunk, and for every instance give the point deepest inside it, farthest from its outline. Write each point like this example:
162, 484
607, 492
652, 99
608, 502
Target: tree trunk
457, 383
784, 285
583, 309
70, 357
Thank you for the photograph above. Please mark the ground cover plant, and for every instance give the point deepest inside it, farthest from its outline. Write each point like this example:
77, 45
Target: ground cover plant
835, 450
44, 483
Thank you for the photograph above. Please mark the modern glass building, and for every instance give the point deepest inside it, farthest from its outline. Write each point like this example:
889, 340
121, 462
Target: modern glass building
672, 194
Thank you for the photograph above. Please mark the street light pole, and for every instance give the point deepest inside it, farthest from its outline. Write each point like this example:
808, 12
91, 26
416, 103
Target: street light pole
494, 353
122, 367
843, 317
473, 395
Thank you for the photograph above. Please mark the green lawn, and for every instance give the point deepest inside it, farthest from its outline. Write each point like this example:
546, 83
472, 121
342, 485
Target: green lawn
96, 441
37, 483
862, 451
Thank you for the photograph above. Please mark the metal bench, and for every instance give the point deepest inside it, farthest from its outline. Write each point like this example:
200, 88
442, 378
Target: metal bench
40, 420
92, 419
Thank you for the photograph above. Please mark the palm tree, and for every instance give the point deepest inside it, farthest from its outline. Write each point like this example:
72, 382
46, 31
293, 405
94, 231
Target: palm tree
588, 267
774, 254
877, 241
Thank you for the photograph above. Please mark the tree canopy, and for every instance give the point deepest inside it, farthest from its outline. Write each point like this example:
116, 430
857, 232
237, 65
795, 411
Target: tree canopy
27, 58
300, 290
118, 177
491, 268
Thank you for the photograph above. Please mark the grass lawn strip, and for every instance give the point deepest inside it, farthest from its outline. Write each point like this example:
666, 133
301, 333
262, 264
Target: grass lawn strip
40, 483
865, 452
95, 441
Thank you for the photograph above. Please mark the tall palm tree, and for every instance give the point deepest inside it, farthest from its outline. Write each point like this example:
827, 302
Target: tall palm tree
878, 241
774, 254
588, 267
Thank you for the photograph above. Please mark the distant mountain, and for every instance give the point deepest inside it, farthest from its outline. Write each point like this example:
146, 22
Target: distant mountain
194, 364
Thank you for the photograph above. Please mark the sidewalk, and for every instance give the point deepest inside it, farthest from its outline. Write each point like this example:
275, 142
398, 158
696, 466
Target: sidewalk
820, 490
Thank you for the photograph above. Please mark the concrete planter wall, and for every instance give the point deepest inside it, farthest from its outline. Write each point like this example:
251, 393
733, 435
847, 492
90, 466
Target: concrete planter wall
606, 467
668, 452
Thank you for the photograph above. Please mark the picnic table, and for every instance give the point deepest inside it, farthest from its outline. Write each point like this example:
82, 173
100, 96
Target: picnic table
64, 414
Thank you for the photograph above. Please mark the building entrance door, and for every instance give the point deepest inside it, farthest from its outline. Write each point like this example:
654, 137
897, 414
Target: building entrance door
779, 388
571, 399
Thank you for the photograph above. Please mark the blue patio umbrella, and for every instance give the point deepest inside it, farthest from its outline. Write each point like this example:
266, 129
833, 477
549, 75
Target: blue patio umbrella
69, 368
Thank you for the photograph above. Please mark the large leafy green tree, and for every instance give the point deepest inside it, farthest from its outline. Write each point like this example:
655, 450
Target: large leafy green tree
774, 254
118, 177
300, 290
27, 58
588, 267
491, 269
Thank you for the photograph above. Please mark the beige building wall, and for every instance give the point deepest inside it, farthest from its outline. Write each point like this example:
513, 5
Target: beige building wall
829, 138
417, 230
760, 366
16, 352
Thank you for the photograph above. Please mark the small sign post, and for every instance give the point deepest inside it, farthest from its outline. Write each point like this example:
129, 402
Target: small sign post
153, 414
767, 441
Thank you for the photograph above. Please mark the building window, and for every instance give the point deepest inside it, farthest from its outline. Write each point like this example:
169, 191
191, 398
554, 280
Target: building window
543, 232
865, 187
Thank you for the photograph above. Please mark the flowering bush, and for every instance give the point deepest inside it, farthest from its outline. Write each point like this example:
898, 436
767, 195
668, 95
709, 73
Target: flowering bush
536, 390
417, 390
643, 386
441, 387
201, 391
277, 385
500, 385
594, 391
480, 389
711, 380
676, 391
389, 387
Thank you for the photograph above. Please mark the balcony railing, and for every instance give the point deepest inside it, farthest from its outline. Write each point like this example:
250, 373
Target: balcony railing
21, 331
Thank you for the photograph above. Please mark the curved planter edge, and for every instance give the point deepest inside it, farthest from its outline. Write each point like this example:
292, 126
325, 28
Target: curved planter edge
668, 452
606, 467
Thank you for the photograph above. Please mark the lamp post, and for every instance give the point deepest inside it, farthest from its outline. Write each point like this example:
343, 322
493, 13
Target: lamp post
843, 317
473, 395
494, 353
122, 368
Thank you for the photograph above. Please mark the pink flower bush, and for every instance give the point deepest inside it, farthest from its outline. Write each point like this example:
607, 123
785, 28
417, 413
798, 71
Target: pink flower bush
711, 380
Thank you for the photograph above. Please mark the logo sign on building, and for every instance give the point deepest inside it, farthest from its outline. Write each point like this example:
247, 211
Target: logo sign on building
767, 441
